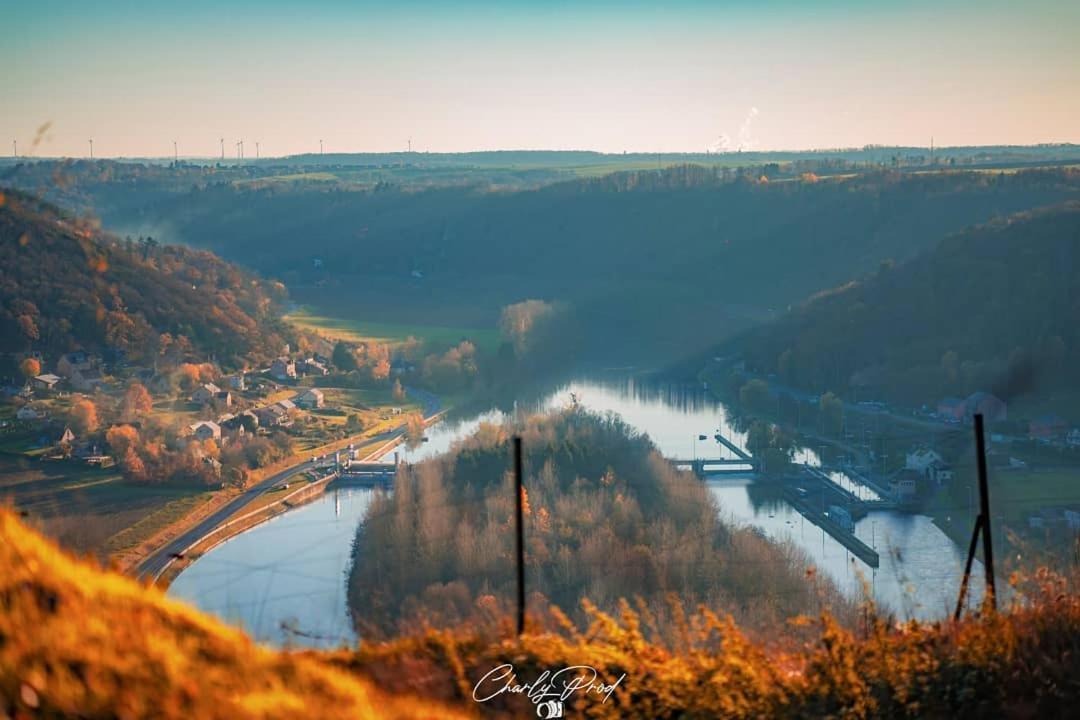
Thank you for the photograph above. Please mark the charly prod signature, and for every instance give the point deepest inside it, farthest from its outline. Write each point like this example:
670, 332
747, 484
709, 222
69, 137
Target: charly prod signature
559, 685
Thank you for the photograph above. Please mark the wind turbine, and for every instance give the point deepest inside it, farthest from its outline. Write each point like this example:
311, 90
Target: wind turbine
222, 148
256, 149
175, 154
14, 148
91, 148
320, 146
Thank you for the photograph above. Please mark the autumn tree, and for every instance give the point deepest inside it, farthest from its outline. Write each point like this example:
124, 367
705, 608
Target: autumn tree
188, 376
381, 370
137, 401
84, 416
414, 429
30, 367
520, 320
121, 439
399, 391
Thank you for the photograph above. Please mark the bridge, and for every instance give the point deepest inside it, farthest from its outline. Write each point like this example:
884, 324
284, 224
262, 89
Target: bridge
368, 474
742, 463
716, 466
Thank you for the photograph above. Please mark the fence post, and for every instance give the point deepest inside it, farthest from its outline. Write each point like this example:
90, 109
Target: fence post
520, 521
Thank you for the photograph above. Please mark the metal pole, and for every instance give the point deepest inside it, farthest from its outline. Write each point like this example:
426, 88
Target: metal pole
984, 511
520, 520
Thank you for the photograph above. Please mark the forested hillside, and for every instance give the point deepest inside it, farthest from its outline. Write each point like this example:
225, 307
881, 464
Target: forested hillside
65, 285
993, 308
714, 249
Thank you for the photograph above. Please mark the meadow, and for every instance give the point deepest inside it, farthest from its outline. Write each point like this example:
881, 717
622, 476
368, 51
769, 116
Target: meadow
360, 331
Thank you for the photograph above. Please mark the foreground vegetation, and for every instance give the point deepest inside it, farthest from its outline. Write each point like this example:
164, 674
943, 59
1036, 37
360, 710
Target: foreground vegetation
77, 642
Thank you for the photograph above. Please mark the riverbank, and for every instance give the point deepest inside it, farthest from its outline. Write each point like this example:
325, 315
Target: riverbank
244, 518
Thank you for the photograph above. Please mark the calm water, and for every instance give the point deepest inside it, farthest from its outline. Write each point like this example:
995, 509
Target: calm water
292, 571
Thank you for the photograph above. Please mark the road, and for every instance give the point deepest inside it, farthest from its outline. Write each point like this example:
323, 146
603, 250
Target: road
156, 561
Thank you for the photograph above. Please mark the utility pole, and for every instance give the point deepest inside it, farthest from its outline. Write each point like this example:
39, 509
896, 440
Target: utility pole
982, 525
519, 515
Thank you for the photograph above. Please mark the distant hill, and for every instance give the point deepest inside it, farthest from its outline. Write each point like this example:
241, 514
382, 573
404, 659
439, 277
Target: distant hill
655, 264
992, 308
66, 285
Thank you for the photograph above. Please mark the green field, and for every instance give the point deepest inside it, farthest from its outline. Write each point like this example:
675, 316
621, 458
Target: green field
391, 333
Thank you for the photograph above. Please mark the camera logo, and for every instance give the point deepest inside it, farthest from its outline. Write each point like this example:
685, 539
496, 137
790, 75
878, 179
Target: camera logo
549, 709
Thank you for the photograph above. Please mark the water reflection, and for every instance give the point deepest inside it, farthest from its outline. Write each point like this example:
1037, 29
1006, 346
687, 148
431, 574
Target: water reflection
284, 581
292, 570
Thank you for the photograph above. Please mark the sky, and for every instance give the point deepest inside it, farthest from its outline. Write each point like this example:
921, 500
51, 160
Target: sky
588, 75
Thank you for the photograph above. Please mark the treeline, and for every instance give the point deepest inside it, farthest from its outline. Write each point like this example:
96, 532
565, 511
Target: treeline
66, 285
992, 308
606, 517
655, 264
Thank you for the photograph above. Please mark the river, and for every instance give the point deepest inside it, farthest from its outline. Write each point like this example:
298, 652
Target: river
284, 581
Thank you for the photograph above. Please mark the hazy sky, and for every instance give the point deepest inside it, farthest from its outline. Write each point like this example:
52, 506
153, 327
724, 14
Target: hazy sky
607, 76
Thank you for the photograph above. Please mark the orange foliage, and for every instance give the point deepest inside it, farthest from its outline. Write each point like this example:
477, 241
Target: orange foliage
84, 415
137, 401
121, 439
30, 367
79, 642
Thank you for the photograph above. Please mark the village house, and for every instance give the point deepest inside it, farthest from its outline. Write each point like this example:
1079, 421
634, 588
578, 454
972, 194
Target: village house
205, 393
951, 409
47, 382
73, 362
88, 380
929, 464
311, 366
283, 369
223, 399
66, 438
233, 425
904, 484
309, 399
273, 416
921, 458
205, 430
939, 472
1046, 428
237, 382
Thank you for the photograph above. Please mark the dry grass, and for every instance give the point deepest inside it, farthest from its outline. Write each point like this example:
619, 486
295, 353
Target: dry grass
78, 642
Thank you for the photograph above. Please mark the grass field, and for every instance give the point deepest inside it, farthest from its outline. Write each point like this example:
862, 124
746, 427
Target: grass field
357, 331
90, 509
291, 178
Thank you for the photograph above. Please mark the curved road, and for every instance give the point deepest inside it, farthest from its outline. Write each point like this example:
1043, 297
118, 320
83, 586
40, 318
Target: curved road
155, 562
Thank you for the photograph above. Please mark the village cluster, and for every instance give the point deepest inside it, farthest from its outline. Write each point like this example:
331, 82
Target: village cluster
100, 411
